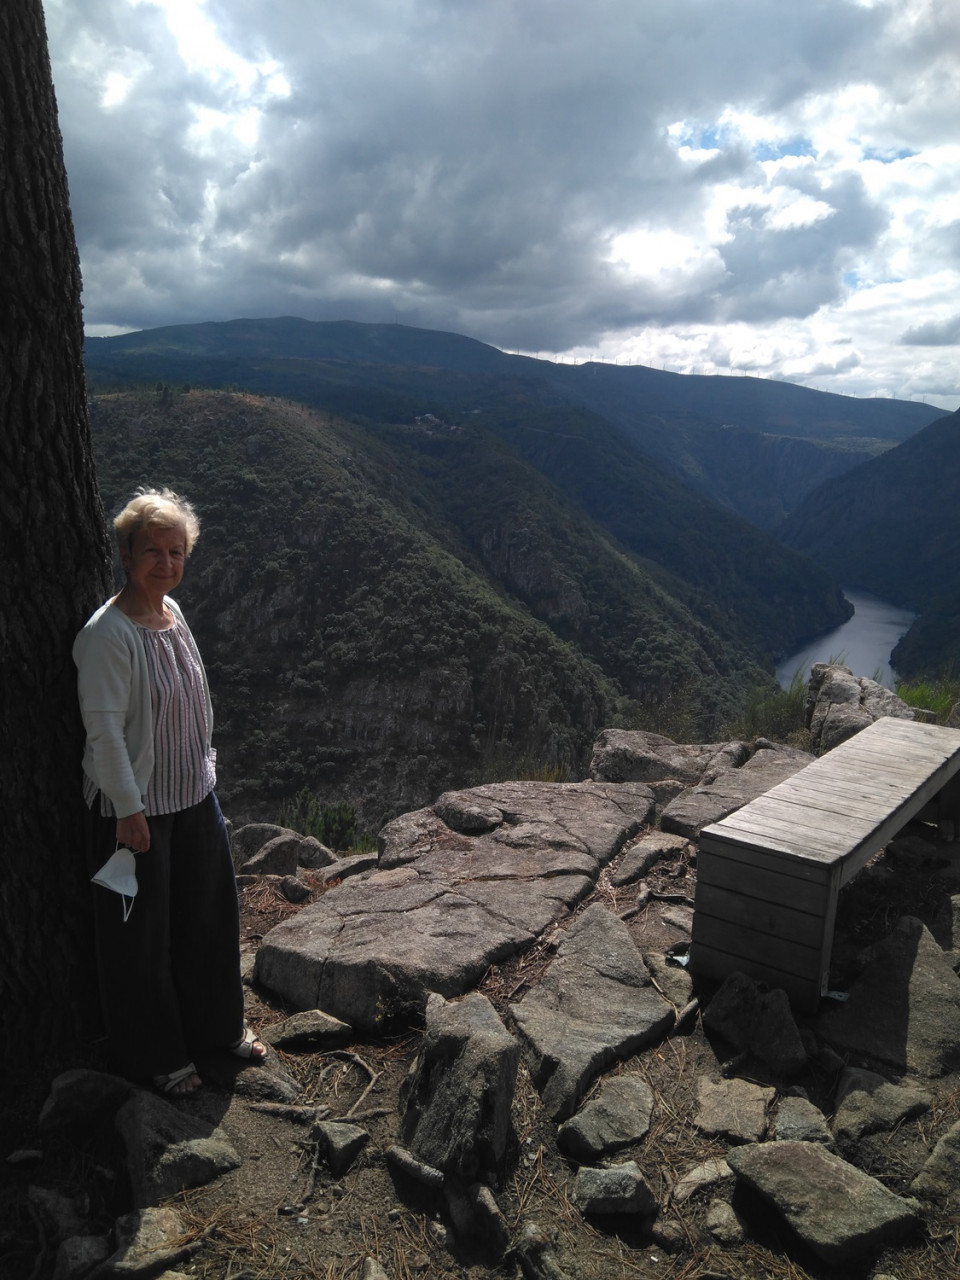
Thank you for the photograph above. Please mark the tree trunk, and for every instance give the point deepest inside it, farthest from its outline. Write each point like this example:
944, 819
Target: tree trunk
55, 565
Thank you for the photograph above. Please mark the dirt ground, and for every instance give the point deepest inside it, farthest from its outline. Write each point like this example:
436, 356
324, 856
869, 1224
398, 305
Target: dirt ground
282, 1214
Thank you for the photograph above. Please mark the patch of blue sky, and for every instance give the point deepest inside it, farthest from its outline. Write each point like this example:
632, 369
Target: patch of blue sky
715, 137
798, 146
887, 156
852, 279
710, 139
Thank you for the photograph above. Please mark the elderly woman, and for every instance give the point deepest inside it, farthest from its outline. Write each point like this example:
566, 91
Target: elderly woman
170, 974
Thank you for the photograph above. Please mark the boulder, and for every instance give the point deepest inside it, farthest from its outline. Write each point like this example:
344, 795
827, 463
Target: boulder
84, 1099
595, 1004
798, 1120
733, 1109
78, 1255
278, 857
61, 1215
673, 979
758, 1022
839, 1212
840, 704
294, 890
620, 1189
340, 1143
443, 906
618, 1116
168, 1150
633, 755
247, 840
725, 1224
149, 1243
867, 1103
457, 1100
939, 1179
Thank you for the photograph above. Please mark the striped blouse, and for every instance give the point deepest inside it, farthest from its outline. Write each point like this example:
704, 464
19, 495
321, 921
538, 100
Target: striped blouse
184, 771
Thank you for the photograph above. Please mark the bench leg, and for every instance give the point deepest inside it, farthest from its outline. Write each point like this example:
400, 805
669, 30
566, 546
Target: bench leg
829, 925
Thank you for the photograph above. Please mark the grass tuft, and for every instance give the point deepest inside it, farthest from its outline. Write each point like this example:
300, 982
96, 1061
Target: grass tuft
938, 696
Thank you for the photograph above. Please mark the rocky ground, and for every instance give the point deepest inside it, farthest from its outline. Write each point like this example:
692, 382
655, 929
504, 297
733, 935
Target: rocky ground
284, 1212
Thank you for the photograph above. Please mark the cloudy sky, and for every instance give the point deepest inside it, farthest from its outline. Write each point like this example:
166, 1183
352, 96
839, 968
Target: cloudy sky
713, 186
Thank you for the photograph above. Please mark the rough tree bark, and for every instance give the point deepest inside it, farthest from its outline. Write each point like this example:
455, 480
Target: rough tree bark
55, 563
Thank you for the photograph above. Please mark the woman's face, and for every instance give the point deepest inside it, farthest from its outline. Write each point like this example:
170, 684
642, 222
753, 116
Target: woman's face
154, 563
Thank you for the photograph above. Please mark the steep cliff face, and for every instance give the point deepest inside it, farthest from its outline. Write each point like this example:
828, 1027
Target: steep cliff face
764, 477
892, 527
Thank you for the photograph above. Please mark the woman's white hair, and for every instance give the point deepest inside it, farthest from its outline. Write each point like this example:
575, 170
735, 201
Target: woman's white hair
157, 508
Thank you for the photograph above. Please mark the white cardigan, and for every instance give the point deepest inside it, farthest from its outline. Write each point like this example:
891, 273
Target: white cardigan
114, 688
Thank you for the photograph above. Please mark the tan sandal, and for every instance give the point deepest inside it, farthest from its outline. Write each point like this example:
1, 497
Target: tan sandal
248, 1046
179, 1083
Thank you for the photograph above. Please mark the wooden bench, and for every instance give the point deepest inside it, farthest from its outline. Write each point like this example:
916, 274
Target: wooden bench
769, 874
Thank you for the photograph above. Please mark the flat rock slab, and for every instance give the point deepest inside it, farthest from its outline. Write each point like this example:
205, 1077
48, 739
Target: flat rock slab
733, 1109
732, 788
708, 1174
595, 1004
904, 1007
312, 1029
646, 853
452, 895
838, 1211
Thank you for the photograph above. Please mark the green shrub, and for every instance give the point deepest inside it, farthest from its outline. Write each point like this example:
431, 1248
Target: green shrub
774, 713
334, 825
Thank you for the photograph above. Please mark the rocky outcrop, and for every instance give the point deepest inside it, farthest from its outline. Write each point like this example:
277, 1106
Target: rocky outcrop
840, 704
633, 755
707, 781
460, 886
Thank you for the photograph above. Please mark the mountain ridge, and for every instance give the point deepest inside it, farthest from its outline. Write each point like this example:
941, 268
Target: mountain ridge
789, 438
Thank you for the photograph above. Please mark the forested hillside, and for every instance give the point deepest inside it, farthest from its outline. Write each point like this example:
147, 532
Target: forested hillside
751, 445
391, 608
892, 527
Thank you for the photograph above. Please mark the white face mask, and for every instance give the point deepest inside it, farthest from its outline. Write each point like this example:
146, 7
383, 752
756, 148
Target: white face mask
119, 873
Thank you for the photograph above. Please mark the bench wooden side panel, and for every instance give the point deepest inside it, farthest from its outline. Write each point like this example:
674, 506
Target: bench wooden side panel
769, 874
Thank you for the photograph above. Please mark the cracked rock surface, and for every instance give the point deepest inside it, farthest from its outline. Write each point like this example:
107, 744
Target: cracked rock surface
460, 885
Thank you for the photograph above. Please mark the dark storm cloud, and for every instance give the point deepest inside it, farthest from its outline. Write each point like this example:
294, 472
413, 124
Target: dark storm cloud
934, 334
464, 164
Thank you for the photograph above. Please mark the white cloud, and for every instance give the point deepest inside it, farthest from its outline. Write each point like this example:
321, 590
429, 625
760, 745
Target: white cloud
769, 185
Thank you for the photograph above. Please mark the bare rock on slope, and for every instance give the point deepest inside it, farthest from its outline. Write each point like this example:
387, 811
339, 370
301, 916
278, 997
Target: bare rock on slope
445, 904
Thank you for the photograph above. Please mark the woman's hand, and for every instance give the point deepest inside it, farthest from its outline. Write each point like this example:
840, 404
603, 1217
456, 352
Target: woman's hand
134, 832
